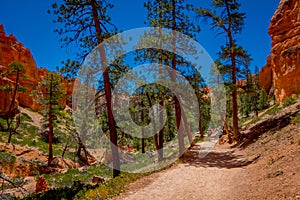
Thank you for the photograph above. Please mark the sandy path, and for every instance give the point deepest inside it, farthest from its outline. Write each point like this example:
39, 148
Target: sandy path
214, 177
34, 116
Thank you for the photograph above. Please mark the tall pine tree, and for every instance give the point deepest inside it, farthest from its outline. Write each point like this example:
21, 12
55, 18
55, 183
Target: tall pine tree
16, 72
87, 24
52, 96
227, 19
172, 14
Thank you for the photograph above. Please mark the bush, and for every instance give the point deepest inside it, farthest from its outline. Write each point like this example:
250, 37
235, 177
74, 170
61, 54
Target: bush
288, 101
263, 100
26, 117
7, 158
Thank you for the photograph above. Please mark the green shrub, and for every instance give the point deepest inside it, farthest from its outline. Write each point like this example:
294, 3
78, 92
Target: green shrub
7, 158
274, 110
26, 117
296, 119
288, 101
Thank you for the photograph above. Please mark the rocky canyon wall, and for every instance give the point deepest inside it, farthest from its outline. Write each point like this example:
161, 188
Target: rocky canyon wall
12, 50
285, 54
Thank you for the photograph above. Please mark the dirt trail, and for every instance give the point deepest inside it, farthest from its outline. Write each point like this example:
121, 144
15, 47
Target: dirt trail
34, 116
213, 177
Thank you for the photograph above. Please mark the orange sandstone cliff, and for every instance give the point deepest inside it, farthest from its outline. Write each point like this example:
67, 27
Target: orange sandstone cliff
285, 54
12, 50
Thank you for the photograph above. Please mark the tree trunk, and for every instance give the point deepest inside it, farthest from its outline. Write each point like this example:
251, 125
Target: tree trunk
107, 89
9, 120
142, 119
201, 131
66, 147
177, 103
9, 137
234, 72
161, 136
187, 129
155, 136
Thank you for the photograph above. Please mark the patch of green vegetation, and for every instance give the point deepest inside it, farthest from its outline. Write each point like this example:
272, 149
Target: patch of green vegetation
85, 176
58, 193
274, 110
296, 119
252, 120
25, 117
110, 188
275, 174
201, 139
76, 189
288, 101
18, 181
2, 123
7, 158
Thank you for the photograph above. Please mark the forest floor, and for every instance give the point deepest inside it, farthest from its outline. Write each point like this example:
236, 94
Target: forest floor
267, 169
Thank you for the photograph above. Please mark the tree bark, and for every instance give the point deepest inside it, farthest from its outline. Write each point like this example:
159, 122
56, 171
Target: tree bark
9, 119
142, 119
155, 136
234, 72
187, 129
161, 136
107, 89
177, 103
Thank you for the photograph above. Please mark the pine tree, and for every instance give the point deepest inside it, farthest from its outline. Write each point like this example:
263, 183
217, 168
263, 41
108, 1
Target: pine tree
172, 14
263, 101
87, 24
229, 21
256, 90
52, 96
16, 71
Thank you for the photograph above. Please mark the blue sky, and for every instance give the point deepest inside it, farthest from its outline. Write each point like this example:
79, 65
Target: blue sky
29, 21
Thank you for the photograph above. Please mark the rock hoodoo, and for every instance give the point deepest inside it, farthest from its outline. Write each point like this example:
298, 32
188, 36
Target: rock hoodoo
285, 54
266, 77
11, 50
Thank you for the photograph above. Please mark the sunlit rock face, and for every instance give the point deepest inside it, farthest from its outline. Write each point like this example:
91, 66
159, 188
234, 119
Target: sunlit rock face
266, 77
12, 50
285, 54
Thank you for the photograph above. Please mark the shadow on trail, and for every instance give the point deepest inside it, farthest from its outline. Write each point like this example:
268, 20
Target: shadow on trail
220, 159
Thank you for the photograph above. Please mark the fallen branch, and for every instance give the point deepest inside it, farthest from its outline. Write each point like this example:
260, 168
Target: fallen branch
12, 183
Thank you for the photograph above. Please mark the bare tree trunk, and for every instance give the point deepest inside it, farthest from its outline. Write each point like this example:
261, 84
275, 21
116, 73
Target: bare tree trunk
66, 147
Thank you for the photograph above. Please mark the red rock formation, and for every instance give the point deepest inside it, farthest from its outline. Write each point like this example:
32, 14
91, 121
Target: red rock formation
285, 54
6, 97
67, 85
266, 77
41, 184
11, 50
